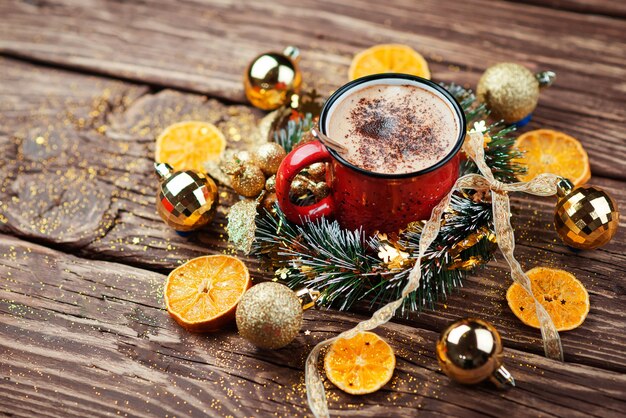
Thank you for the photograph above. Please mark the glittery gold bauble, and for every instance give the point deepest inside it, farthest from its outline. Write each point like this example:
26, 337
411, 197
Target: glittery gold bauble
511, 91
586, 217
299, 186
272, 78
245, 157
269, 315
270, 184
269, 156
470, 351
248, 180
186, 200
316, 172
321, 190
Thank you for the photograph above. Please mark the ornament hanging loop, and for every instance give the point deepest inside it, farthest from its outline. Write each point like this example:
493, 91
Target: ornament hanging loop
502, 378
545, 78
563, 187
308, 297
163, 170
293, 53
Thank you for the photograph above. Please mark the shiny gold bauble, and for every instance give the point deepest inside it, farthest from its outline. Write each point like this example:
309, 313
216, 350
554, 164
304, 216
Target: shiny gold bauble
509, 90
269, 156
269, 203
272, 78
248, 180
269, 315
270, 184
470, 351
186, 200
586, 217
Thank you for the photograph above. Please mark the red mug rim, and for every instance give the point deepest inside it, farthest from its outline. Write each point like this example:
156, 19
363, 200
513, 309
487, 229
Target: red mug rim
419, 80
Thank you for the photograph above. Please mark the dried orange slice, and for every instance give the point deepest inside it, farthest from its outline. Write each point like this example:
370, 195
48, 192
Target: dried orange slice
361, 364
388, 58
563, 295
203, 293
189, 145
548, 151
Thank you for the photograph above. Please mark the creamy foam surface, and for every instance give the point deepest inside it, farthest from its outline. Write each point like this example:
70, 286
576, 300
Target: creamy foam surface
394, 129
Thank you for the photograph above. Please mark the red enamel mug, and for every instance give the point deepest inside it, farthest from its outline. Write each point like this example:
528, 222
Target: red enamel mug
364, 199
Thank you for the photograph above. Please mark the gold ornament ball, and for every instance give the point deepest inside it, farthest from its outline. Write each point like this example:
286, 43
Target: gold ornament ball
586, 217
299, 186
245, 157
470, 351
270, 183
317, 172
186, 200
248, 180
509, 90
269, 315
272, 78
321, 190
269, 156
269, 203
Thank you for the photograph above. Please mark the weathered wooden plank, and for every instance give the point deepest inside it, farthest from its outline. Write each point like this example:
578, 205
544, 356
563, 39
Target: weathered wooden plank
607, 8
44, 201
205, 47
81, 337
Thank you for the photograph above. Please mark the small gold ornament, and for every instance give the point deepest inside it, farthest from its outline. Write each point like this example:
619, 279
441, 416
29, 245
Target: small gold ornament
269, 156
186, 200
245, 157
316, 172
299, 186
269, 203
272, 78
270, 184
247, 179
586, 217
320, 190
269, 315
511, 91
470, 351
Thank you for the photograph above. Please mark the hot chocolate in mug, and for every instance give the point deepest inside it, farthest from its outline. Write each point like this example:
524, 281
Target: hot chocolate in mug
388, 130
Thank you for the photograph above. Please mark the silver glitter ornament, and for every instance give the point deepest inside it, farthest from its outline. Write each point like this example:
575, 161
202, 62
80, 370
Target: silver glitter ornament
269, 315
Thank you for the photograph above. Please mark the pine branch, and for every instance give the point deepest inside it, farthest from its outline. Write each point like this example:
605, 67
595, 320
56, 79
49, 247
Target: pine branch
291, 135
342, 265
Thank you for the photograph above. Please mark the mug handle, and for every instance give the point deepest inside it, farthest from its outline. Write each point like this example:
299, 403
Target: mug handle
299, 158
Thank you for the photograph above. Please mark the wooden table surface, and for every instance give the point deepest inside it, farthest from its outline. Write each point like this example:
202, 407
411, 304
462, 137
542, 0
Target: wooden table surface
86, 85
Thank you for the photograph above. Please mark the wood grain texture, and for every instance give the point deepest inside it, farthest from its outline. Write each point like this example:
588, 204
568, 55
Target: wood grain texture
123, 225
82, 337
205, 48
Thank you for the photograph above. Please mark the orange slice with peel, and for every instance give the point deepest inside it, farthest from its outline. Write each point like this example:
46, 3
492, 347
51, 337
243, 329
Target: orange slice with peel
361, 364
560, 292
388, 58
189, 145
548, 151
202, 294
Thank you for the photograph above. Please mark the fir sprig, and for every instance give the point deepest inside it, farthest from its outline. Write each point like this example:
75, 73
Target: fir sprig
291, 135
342, 265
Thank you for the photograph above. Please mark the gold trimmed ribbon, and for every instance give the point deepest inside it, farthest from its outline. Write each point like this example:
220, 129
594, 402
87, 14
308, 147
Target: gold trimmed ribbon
542, 185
